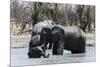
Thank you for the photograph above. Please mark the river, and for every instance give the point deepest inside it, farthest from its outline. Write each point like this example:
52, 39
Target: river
19, 57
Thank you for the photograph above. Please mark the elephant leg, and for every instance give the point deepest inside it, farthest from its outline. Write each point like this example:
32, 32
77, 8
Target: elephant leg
60, 47
54, 51
60, 51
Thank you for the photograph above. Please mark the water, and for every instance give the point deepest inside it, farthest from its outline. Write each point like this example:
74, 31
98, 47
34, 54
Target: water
19, 57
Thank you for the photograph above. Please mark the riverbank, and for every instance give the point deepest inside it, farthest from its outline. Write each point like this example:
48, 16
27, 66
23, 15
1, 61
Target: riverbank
22, 41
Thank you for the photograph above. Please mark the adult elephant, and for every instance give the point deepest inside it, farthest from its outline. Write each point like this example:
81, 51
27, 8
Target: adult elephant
70, 38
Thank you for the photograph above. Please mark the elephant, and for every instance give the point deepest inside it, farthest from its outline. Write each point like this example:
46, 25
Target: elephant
37, 52
57, 40
36, 49
69, 38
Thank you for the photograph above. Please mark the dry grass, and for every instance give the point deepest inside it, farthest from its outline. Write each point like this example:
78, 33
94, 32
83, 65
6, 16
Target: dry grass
23, 40
90, 39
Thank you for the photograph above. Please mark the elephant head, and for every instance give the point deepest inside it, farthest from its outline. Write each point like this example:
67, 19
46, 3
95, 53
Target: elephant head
37, 52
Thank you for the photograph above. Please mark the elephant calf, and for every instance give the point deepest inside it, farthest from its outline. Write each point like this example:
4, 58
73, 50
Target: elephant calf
37, 52
36, 48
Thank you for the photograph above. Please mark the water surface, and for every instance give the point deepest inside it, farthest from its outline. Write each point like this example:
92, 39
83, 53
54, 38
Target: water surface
19, 57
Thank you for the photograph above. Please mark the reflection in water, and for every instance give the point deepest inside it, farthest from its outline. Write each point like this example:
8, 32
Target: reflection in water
19, 57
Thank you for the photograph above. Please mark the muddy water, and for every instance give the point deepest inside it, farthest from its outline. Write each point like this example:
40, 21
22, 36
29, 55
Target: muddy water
19, 57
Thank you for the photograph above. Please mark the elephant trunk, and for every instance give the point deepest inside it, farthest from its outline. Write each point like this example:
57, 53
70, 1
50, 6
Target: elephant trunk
44, 55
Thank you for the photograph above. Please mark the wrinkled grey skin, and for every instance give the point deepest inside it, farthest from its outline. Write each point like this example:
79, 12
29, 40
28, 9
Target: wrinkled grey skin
72, 39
